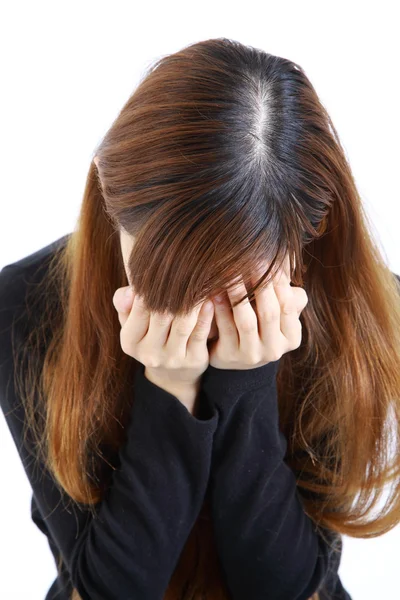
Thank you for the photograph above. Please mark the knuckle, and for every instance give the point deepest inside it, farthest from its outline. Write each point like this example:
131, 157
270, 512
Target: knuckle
252, 359
202, 323
297, 345
151, 361
162, 320
303, 296
172, 362
193, 364
289, 308
273, 356
248, 325
270, 314
199, 333
126, 344
183, 330
118, 305
230, 329
231, 358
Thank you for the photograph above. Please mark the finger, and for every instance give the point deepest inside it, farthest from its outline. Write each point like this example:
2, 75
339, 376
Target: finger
268, 312
289, 320
283, 275
181, 330
227, 330
138, 320
198, 338
122, 318
244, 316
300, 298
123, 304
159, 329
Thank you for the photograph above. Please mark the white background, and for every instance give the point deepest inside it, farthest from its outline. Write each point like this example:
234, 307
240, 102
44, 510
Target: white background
67, 69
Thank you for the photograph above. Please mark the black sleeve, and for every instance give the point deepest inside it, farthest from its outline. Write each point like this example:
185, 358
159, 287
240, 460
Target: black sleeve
132, 545
268, 546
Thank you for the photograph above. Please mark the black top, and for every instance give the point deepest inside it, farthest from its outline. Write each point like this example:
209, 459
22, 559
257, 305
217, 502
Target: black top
267, 545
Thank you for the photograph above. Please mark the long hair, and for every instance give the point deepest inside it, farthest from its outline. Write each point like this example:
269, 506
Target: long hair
224, 157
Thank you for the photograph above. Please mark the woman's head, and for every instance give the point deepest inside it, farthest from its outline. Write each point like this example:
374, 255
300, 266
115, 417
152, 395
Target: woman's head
223, 159
208, 168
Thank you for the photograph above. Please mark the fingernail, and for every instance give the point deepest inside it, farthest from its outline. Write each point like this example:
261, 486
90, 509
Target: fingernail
218, 299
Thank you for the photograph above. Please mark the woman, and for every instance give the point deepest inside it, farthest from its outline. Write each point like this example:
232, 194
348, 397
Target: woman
186, 452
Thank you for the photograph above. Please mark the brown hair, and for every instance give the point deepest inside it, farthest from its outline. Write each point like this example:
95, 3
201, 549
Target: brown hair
224, 157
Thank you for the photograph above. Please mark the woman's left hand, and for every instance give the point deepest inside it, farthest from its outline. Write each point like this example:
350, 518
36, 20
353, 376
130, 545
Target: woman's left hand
249, 339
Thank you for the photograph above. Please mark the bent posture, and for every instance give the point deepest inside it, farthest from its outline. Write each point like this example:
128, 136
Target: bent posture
213, 432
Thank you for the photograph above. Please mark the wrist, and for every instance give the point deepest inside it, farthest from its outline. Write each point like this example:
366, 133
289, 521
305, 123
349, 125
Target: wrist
186, 393
221, 381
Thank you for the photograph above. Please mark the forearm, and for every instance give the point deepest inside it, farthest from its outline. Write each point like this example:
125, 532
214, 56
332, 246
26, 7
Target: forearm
141, 524
268, 546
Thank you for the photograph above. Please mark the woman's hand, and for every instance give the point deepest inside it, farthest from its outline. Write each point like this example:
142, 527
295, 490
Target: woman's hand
249, 339
173, 350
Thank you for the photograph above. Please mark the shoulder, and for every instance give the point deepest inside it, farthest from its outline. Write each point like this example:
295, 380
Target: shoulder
32, 261
16, 279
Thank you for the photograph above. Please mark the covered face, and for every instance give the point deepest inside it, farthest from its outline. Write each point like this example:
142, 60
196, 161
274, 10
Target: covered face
127, 242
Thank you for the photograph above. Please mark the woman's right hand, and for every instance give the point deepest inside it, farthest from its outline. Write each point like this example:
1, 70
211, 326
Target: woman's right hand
173, 350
